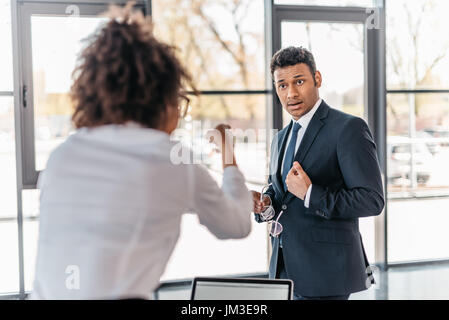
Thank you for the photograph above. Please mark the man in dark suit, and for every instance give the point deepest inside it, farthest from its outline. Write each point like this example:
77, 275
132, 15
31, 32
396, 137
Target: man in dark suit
324, 175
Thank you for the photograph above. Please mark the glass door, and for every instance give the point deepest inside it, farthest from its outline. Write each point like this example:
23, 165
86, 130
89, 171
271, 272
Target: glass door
338, 39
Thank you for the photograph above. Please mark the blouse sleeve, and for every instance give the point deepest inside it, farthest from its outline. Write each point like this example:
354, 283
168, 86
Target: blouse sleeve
225, 211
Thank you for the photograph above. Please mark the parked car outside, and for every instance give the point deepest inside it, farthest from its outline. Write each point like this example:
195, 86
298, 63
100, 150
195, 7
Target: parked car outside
399, 154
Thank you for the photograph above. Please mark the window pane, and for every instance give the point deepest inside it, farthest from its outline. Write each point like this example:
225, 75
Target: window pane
30, 203
417, 53
9, 266
8, 205
221, 42
56, 41
417, 144
246, 115
9, 252
417, 157
353, 3
417, 229
6, 80
195, 243
30, 240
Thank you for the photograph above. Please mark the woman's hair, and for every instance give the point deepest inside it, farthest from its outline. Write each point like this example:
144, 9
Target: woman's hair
126, 74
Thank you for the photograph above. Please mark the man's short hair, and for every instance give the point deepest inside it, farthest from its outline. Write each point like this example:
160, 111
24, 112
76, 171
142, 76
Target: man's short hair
293, 55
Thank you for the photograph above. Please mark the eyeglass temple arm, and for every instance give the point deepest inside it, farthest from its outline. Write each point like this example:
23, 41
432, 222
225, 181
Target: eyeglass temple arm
279, 215
263, 190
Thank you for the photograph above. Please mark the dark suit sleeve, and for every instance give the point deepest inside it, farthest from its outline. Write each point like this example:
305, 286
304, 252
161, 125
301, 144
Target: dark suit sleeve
363, 194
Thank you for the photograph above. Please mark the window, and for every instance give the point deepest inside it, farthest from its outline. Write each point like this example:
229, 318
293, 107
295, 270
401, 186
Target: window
418, 130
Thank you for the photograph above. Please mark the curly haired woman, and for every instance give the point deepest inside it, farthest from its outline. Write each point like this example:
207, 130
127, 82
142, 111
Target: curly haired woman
111, 198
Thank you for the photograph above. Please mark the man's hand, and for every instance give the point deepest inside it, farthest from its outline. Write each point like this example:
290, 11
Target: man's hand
298, 181
259, 205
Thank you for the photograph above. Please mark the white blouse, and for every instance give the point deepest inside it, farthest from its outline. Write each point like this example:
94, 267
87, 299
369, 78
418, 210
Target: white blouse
110, 211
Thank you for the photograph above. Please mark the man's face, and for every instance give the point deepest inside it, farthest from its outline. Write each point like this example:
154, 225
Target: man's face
296, 89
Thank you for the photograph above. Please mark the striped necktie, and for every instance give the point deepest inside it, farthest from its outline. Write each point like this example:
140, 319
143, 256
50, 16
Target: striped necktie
290, 153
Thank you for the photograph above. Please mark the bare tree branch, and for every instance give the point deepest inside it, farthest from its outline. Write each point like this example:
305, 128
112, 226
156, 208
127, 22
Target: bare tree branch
239, 56
197, 8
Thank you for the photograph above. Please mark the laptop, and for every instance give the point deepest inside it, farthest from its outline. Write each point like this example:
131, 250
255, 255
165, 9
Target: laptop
205, 288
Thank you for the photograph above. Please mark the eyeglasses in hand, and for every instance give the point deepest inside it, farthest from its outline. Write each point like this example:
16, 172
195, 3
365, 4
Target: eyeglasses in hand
268, 213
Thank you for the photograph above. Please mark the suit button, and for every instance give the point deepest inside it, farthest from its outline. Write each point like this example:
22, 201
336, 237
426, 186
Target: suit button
284, 207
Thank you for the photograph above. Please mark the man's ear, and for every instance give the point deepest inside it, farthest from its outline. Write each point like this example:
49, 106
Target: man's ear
318, 79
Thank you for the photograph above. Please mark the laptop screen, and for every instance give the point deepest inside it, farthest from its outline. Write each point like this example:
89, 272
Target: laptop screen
241, 289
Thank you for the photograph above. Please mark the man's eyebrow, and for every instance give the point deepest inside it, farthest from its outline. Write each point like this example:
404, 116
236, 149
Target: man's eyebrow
295, 77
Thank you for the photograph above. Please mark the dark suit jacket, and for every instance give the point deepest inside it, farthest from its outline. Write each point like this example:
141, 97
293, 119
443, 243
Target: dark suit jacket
322, 246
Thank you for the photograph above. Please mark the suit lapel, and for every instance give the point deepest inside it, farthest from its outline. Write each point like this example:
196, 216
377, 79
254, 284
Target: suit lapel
309, 137
313, 128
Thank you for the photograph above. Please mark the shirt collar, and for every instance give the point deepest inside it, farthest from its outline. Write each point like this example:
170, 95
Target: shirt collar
305, 119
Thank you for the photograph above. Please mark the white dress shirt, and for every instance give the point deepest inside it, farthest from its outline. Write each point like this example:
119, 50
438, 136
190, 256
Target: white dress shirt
304, 122
110, 210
